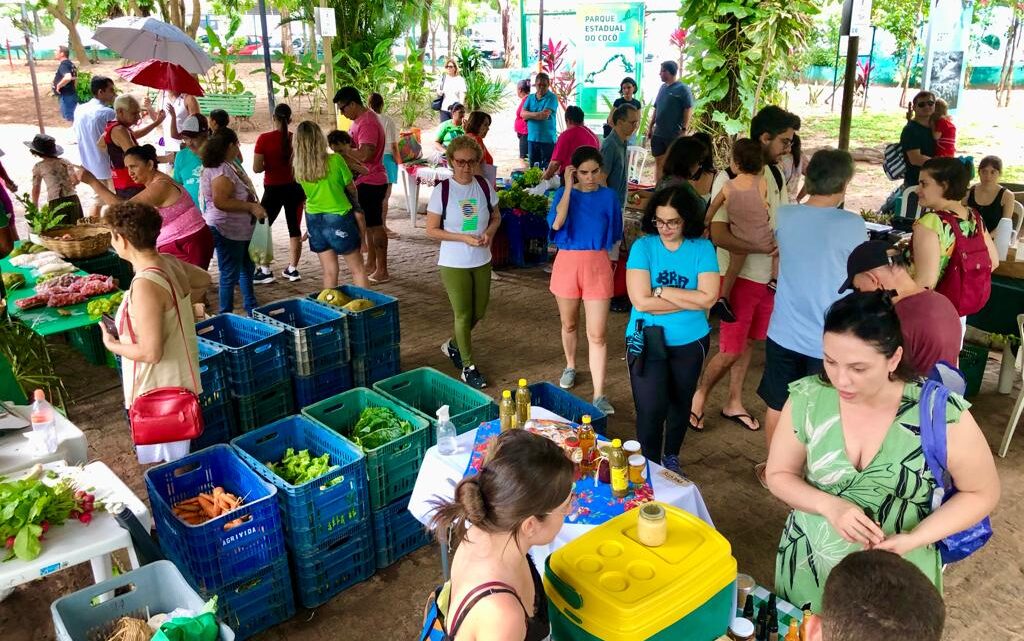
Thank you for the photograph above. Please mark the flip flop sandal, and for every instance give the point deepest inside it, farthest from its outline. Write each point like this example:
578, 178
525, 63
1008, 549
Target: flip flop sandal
737, 419
378, 281
699, 418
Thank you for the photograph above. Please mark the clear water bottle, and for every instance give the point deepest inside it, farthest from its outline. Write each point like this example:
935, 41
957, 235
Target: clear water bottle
446, 444
43, 426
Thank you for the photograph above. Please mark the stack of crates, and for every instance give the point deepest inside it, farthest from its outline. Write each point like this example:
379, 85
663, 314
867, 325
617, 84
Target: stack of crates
258, 375
391, 470
373, 336
326, 520
317, 346
244, 565
215, 401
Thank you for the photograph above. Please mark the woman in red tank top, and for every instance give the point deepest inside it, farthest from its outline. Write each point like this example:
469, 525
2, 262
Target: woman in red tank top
118, 137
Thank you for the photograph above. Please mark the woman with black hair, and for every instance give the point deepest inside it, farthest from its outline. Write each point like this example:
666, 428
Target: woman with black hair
684, 162
672, 277
273, 155
184, 233
847, 457
627, 93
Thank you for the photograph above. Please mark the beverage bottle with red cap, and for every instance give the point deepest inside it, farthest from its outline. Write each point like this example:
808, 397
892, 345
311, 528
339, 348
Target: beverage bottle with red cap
43, 426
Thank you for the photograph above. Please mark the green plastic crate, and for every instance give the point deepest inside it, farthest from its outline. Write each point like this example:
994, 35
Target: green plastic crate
89, 342
424, 390
973, 359
391, 469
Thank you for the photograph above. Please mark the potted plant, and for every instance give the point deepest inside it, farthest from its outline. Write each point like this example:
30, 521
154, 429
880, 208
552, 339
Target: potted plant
41, 219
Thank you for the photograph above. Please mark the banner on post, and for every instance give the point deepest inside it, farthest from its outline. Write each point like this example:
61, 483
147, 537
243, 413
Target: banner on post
945, 63
609, 47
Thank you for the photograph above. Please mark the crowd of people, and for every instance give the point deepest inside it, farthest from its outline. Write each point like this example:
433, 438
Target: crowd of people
763, 247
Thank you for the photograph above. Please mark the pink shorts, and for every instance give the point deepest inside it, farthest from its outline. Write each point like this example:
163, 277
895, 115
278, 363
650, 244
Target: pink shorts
196, 248
585, 274
752, 303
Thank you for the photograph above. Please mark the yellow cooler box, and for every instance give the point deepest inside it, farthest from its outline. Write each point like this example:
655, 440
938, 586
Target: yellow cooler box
607, 585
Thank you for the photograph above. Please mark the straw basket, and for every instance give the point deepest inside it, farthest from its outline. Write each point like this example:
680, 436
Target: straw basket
86, 240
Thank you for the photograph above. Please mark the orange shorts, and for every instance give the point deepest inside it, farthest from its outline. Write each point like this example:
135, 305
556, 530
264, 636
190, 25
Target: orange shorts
585, 274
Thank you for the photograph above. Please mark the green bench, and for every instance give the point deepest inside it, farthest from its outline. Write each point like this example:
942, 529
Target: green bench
241, 106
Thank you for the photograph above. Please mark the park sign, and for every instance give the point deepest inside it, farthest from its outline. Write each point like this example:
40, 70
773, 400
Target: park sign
945, 63
609, 46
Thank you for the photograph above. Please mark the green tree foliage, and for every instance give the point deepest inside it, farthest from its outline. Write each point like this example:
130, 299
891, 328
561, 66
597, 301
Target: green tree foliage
903, 19
483, 93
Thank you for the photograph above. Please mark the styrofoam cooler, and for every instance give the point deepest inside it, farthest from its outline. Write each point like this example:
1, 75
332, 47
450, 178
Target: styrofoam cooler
607, 586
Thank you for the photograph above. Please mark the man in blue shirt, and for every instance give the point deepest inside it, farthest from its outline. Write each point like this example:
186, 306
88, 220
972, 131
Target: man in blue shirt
539, 113
672, 110
815, 238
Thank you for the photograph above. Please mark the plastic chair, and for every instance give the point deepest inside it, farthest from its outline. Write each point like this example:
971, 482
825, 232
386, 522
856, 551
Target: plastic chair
1019, 405
636, 159
904, 198
1018, 218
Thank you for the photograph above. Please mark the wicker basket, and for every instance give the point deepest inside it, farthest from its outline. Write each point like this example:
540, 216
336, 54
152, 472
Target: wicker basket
87, 240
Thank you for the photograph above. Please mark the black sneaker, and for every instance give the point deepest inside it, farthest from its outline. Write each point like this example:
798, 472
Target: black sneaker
723, 310
452, 352
262, 276
472, 377
291, 274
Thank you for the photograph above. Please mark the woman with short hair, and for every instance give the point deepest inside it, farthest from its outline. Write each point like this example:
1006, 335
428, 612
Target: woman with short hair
1000, 199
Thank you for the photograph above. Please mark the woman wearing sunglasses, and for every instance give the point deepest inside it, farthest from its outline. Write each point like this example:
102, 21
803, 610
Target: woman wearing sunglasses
452, 89
918, 139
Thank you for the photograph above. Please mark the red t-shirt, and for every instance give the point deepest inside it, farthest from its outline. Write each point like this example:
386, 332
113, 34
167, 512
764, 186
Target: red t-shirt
278, 168
487, 159
931, 330
572, 139
367, 130
945, 145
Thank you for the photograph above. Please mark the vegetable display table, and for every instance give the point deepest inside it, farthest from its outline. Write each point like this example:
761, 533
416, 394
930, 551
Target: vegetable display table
415, 175
73, 543
18, 452
439, 474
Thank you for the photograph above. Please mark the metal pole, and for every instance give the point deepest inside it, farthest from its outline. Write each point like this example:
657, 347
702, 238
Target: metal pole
32, 69
540, 39
849, 85
835, 78
266, 55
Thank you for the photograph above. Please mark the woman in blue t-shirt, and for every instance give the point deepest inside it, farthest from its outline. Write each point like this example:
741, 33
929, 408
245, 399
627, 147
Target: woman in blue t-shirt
672, 278
586, 223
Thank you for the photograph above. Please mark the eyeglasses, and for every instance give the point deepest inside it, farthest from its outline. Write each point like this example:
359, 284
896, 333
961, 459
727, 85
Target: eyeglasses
786, 142
343, 105
449, 66
570, 505
926, 103
462, 162
668, 224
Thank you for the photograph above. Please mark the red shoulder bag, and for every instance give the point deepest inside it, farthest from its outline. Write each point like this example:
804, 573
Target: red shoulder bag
164, 414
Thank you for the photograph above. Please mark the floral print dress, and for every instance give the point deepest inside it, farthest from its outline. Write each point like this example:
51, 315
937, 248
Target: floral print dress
894, 489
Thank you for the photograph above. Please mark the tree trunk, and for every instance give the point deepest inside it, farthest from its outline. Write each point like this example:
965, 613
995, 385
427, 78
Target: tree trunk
425, 26
193, 25
1005, 86
766, 57
61, 14
286, 31
510, 32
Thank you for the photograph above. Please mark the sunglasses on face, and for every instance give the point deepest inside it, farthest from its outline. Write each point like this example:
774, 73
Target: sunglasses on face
926, 103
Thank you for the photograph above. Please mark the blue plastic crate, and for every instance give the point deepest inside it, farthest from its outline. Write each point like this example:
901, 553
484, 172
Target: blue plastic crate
157, 587
209, 556
374, 328
318, 336
313, 513
258, 602
213, 374
257, 356
376, 366
310, 389
396, 532
264, 407
568, 406
218, 425
334, 568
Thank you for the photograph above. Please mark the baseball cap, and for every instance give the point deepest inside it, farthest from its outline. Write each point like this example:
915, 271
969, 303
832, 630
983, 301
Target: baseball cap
864, 257
195, 124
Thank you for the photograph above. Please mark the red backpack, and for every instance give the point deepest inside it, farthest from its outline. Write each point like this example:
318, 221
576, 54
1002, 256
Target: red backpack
967, 281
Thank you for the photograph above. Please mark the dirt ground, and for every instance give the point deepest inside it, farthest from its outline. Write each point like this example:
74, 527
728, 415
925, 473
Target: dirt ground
518, 339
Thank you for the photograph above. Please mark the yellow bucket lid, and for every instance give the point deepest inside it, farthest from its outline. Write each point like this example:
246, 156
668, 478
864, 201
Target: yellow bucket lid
622, 590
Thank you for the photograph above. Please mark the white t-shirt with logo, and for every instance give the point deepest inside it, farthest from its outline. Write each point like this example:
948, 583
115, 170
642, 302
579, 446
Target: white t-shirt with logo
467, 214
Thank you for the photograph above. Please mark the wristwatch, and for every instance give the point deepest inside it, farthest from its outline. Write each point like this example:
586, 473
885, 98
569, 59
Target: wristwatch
657, 292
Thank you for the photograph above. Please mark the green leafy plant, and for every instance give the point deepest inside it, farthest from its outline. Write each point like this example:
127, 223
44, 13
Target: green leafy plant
83, 86
41, 219
378, 426
372, 71
222, 77
301, 77
31, 507
483, 92
30, 361
534, 204
300, 467
415, 87
563, 79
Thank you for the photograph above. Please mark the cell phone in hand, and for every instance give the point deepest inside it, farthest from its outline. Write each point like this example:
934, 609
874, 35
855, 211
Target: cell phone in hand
109, 324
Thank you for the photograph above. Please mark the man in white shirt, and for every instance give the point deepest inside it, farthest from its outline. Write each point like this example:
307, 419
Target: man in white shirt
91, 119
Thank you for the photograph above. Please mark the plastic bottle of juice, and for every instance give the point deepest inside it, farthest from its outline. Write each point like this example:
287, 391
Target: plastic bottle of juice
507, 412
523, 402
445, 432
619, 469
43, 425
588, 444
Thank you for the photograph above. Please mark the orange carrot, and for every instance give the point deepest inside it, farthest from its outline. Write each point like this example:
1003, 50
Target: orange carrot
208, 506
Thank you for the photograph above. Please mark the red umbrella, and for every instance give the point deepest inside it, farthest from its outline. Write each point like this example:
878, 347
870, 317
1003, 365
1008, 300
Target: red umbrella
160, 74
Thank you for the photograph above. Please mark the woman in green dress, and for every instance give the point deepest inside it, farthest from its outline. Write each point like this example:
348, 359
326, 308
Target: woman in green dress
847, 457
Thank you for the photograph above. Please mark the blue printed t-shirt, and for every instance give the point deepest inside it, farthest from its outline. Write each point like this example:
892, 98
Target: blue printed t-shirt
669, 106
541, 130
679, 268
594, 221
814, 243
188, 171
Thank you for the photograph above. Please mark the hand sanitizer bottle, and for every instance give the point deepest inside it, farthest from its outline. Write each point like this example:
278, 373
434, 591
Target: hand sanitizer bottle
446, 444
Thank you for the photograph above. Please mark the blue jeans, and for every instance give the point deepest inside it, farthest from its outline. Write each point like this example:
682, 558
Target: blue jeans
236, 268
540, 153
68, 102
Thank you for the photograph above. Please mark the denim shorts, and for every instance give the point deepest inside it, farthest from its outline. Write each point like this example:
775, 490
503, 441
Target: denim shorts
333, 232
